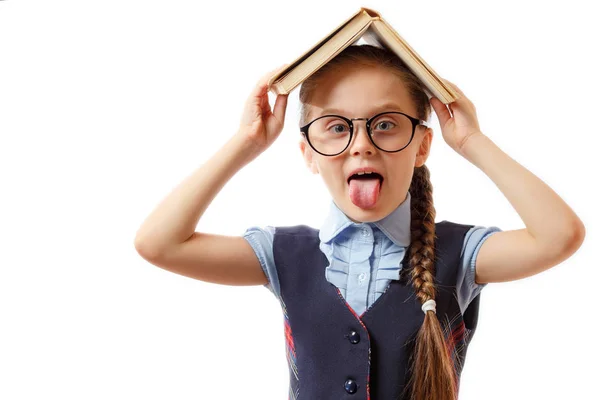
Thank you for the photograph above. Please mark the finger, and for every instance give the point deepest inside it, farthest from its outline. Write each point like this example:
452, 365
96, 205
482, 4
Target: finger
456, 88
274, 72
441, 111
462, 99
453, 86
261, 87
279, 108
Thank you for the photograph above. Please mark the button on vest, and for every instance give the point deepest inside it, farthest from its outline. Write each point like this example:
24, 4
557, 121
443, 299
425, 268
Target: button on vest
350, 386
354, 337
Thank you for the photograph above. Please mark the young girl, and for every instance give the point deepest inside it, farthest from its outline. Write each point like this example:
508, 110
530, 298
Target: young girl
381, 302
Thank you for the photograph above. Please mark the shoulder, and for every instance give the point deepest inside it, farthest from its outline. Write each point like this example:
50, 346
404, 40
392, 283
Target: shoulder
473, 234
261, 239
446, 225
474, 238
266, 232
467, 288
297, 230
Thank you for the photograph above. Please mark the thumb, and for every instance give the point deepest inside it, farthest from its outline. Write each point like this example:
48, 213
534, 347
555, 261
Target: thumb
279, 107
440, 109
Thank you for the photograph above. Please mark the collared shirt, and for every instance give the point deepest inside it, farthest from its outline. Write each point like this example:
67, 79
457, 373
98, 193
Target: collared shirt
365, 257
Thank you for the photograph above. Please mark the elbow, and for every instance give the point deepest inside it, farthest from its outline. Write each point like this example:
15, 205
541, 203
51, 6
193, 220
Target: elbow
578, 234
145, 249
575, 237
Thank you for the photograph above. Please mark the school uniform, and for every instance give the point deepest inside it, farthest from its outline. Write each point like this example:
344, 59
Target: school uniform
350, 311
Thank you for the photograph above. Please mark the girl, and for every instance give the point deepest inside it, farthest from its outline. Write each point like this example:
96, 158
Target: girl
381, 302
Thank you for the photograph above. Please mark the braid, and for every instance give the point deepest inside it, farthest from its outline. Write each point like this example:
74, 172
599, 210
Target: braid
422, 229
433, 372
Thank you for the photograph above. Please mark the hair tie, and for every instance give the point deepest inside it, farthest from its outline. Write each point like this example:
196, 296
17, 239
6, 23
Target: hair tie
428, 305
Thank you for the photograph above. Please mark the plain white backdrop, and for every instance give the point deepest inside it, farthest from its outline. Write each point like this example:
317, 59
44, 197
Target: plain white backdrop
106, 106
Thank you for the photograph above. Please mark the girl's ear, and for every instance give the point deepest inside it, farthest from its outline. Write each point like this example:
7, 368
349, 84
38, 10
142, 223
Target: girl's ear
307, 155
424, 147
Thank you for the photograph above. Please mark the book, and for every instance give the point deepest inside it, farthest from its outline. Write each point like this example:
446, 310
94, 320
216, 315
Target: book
369, 25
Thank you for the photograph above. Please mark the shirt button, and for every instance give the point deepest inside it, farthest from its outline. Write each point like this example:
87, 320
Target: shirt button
350, 386
354, 337
361, 277
365, 232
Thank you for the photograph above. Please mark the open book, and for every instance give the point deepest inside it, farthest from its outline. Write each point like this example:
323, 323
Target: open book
373, 29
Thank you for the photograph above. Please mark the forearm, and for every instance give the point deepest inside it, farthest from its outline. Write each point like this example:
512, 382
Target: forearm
546, 216
175, 219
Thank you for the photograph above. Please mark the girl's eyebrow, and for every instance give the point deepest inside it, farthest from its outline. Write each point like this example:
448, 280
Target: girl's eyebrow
383, 107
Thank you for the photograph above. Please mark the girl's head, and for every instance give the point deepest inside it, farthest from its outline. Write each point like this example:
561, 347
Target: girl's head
362, 81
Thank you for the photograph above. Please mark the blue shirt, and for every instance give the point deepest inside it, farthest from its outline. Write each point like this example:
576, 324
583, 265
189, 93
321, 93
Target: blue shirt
365, 257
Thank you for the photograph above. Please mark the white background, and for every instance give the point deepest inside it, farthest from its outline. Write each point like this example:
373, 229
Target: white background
106, 106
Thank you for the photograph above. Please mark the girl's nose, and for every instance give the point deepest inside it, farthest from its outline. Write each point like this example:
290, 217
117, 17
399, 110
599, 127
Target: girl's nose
361, 143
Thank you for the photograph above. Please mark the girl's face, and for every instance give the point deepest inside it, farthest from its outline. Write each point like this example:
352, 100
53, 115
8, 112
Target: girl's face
356, 92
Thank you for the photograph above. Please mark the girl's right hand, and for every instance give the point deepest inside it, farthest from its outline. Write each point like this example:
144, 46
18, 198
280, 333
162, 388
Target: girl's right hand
259, 126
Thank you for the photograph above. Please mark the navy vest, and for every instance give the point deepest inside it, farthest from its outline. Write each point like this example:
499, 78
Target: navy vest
333, 353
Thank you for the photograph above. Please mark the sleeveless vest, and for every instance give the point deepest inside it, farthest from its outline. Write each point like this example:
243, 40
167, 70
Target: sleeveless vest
332, 353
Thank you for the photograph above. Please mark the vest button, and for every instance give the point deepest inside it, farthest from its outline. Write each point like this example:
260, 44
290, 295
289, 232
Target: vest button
350, 386
354, 337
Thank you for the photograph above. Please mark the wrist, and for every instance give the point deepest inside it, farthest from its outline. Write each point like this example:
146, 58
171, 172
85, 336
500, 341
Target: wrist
243, 150
470, 145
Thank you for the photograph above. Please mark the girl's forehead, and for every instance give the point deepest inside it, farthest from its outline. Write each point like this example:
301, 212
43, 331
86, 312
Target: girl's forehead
359, 93
360, 106
367, 110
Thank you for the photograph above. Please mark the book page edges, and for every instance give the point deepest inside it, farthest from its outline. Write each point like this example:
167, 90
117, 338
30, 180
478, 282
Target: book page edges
280, 89
368, 24
322, 56
285, 81
418, 66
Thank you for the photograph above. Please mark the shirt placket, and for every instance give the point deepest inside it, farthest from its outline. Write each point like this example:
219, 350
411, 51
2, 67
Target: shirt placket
359, 273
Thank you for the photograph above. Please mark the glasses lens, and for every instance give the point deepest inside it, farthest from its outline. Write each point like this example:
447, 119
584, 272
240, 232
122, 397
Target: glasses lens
391, 131
330, 134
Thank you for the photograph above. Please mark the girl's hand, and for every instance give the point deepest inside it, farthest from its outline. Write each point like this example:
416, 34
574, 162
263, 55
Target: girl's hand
258, 125
462, 124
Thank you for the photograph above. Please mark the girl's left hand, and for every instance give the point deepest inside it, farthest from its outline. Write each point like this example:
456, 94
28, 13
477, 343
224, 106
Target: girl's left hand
462, 124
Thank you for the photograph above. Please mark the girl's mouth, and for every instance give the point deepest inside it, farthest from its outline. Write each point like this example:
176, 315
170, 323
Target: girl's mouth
364, 190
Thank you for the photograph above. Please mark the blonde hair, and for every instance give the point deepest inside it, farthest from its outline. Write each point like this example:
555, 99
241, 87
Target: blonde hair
433, 372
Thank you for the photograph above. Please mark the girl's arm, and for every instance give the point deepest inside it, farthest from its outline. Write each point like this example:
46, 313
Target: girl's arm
167, 237
553, 231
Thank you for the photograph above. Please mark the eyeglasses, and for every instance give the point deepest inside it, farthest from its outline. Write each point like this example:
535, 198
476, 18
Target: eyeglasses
389, 131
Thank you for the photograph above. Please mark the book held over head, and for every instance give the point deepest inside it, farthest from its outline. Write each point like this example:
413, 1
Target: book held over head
369, 25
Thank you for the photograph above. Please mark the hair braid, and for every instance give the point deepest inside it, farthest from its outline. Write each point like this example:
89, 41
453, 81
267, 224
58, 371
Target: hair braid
433, 375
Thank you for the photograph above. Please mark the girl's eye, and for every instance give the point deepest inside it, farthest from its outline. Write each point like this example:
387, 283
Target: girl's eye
384, 122
338, 128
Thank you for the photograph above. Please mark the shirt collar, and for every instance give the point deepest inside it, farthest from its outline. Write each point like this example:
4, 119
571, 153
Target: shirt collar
396, 225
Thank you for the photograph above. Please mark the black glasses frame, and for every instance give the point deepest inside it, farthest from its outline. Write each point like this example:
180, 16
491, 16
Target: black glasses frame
415, 122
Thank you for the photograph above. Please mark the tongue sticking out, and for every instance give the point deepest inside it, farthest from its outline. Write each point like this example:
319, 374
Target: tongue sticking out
364, 192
